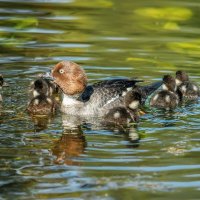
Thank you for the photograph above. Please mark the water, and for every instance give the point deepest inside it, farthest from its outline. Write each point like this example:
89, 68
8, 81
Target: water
40, 158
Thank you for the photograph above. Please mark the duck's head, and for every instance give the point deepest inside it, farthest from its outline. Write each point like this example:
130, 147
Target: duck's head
70, 77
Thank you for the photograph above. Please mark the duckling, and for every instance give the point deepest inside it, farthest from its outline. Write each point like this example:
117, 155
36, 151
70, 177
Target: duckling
186, 89
42, 101
128, 113
167, 98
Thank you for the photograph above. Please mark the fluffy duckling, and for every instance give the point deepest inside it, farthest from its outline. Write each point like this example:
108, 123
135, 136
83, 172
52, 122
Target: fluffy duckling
42, 101
186, 89
167, 98
128, 113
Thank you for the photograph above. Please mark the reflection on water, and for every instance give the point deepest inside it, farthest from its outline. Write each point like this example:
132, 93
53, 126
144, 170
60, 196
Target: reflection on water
62, 157
41, 122
71, 145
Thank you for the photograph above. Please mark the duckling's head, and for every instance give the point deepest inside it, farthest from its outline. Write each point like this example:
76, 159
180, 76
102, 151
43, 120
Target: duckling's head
169, 83
181, 76
133, 99
39, 87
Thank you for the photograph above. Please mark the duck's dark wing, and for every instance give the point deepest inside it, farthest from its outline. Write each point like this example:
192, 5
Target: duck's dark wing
117, 82
111, 93
106, 90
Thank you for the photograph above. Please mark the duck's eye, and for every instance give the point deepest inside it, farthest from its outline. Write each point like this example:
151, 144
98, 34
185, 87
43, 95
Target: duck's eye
61, 71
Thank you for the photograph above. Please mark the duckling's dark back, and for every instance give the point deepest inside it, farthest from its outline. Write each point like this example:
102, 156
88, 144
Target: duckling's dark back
41, 105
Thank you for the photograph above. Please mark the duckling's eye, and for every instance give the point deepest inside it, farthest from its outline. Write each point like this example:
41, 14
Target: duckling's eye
61, 71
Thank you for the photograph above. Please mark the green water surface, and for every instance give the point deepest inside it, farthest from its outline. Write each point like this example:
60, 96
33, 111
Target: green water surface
156, 159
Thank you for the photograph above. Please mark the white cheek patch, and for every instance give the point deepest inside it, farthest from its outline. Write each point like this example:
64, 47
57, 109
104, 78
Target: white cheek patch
47, 93
49, 100
177, 101
35, 93
128, 120
129, 89
36, 102
155, 97
117, 115
178, 82
124, 93
134, 105
164, 87
50, 90
167, 98
183, 88
195, 88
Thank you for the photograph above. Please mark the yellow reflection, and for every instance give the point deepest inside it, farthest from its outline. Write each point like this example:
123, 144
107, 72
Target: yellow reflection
22, 23
155, 62
191, 48
166, 13
171, 26
94, 3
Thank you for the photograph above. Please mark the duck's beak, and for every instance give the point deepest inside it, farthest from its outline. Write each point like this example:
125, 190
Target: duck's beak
47, 75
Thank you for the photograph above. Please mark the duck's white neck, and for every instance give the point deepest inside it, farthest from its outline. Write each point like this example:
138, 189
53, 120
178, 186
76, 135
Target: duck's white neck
72, 106
70, 101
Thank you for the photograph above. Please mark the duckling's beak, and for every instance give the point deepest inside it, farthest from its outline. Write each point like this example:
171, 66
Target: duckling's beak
141, 112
